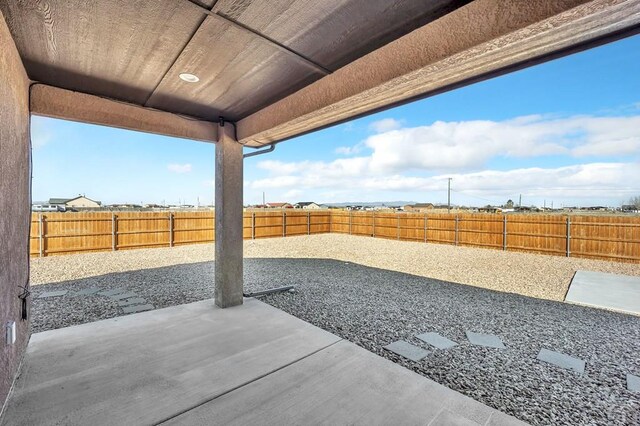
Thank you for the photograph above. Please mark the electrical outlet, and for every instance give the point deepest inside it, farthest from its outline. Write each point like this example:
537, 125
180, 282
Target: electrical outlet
10, 332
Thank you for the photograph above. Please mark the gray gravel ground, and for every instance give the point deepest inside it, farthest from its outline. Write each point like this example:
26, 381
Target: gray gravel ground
373, 307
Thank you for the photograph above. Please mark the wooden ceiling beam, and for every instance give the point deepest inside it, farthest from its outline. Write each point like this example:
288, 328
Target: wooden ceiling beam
65, 104
481, 40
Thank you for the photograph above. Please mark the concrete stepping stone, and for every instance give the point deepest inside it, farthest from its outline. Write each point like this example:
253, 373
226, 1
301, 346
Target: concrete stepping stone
53, 294
136, 308
562, 360
134, 301
112, 292
87, 291
435, 339
633, 383
407, 350
488, 340
122, 296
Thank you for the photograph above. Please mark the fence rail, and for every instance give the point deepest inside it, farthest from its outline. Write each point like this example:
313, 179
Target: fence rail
598, 237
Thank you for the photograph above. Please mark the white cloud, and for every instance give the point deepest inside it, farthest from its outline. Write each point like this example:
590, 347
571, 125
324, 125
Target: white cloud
179, 168
348, 150
418, 160
603, 180
385, 125
41, 133
470, 144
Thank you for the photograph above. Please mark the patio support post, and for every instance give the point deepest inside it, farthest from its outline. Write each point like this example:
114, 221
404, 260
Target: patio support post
228, 212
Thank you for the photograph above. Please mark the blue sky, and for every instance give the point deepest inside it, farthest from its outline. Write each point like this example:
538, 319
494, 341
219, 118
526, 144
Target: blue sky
566, 132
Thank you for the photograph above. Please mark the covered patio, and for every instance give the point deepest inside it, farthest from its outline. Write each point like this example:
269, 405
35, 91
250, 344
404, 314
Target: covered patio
200, 364
240, 74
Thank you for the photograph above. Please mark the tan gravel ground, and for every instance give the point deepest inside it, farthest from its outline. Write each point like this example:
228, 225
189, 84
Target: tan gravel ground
540, 276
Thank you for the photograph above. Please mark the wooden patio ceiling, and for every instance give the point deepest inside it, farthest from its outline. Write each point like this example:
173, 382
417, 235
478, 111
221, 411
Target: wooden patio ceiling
280, 68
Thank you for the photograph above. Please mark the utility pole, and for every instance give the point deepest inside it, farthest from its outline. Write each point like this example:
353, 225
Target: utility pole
449, 195
263, 203
520, 201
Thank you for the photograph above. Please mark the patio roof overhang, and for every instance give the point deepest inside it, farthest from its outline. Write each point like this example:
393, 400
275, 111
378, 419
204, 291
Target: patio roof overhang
283, 68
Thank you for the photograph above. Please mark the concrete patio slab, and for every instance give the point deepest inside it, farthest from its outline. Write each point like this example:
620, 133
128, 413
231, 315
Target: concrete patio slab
602, 290
199, 364
633, 383
136, 308
562, 360
342, 384
437, 340
407, 350
134, 301
488, 340
47, 294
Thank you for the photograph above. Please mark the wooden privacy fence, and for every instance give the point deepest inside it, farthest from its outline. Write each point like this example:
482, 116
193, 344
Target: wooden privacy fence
598, 237
64, 233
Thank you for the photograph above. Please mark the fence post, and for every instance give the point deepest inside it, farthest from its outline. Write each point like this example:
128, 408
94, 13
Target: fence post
397, 226
170, 229
308, 223
113, 231
374, 224
284, 223
568, 236
40, 236
253, 225
456, 231
350, 219
504, 232
425, 227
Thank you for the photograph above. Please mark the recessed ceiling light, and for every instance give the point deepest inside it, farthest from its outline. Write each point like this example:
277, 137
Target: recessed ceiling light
189, 78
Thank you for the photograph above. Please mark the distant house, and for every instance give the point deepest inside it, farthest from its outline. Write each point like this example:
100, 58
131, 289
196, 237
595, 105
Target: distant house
279, 206
80, 201
418, 207
307, 205
490, 209
630, 208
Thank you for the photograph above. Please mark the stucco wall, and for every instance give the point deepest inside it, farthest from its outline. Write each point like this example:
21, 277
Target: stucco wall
14, 203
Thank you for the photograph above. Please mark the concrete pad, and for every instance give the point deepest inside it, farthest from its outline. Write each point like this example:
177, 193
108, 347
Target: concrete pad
147, 367
87, 291
488, 340
602, 290
407, 350
343, 384
112, 292
134, 301
562, 360
633, 383
53, 294
122, 296
437, 340
136, 308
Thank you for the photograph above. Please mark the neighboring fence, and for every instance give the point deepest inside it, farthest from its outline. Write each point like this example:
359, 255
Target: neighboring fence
598, 237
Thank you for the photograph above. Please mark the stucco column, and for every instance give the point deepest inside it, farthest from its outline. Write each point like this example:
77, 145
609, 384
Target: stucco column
15, 206
228, 269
